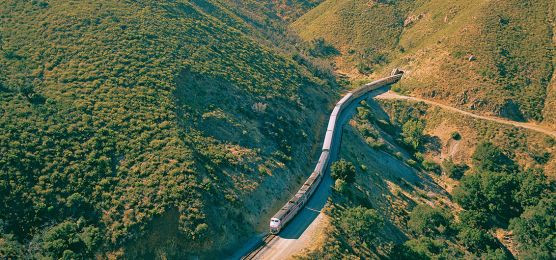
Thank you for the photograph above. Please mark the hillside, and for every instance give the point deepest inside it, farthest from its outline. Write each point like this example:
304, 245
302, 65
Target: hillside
490, 56
432, 183
145, 129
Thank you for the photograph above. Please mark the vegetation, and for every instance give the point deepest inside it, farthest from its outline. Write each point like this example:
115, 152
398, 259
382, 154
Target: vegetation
489, 56
119, 114
496, 193
427, 221
343, 170
453, 170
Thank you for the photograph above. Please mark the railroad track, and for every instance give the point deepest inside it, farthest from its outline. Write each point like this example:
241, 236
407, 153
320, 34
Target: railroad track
260, 246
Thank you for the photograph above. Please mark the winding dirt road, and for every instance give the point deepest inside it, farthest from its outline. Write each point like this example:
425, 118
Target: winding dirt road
530, 126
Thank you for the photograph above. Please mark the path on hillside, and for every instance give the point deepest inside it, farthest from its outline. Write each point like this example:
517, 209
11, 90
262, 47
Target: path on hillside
530, 126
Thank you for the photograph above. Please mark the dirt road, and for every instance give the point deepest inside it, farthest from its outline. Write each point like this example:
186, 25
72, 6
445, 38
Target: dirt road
530, 126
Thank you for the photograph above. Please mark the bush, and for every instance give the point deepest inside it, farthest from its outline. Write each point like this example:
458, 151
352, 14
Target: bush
340, 185
490, 192
476, 239
489, 157
412, 133
534, 230
360, 224
431, 166
456, 136
343, 170
428, 221
453, 170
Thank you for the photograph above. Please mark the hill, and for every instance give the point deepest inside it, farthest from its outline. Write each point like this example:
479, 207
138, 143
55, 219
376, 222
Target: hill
493, 57
145, 129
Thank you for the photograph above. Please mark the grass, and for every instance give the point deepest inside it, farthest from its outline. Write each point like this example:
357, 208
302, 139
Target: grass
511, 43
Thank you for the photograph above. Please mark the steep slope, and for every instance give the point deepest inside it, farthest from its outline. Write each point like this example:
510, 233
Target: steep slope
491, 56
143, 129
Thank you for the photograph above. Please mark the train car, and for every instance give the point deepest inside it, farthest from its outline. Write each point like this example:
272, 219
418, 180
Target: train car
344, 100
296, 203
327, 140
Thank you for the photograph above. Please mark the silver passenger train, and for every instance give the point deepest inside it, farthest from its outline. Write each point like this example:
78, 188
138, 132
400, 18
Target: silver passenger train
293, 206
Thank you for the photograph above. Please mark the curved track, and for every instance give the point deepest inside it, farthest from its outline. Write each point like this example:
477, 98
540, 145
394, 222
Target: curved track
266, 248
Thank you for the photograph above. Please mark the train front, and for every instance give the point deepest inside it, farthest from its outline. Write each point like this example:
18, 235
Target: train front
275, 226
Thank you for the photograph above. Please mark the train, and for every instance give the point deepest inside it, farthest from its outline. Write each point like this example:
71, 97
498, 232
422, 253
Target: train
296, 203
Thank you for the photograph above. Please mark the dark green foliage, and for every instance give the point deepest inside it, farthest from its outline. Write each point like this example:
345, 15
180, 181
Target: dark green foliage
406, 252
321, 48
474, 219
431, 166
343, 170
488, 157
429, 248
535, 230
69, 238
428, 221
456, 136
503, 194
453, 170
489, 191
532, 186
364, 69
476, 239
412, 133
360, 223
10, 248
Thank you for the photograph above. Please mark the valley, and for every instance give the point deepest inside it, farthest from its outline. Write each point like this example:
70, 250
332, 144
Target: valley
176, 129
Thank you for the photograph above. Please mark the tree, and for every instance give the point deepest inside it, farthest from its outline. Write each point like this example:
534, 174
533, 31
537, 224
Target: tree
490, 192
9, 247
532, 184
428, 221
68, 239
473, 219
340, 185
489, 157
343, 170
412, 132
534, 230
453, 170
476, 239
360, 223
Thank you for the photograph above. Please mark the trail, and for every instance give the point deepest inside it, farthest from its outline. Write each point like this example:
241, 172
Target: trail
526, 125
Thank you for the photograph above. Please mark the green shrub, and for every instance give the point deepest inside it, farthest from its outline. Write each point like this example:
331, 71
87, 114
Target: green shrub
453, 170
431, 166
456, 136
343, 170
428, 221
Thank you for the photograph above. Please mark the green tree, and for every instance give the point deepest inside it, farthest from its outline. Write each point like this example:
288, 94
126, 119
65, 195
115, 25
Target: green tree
453, 170
476, 239
340, 185
428, 221
412, 133
343, 170
532, 185
68, 240
473, 219
489, 157
490, 192
535, 230
9, 247
360, 223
